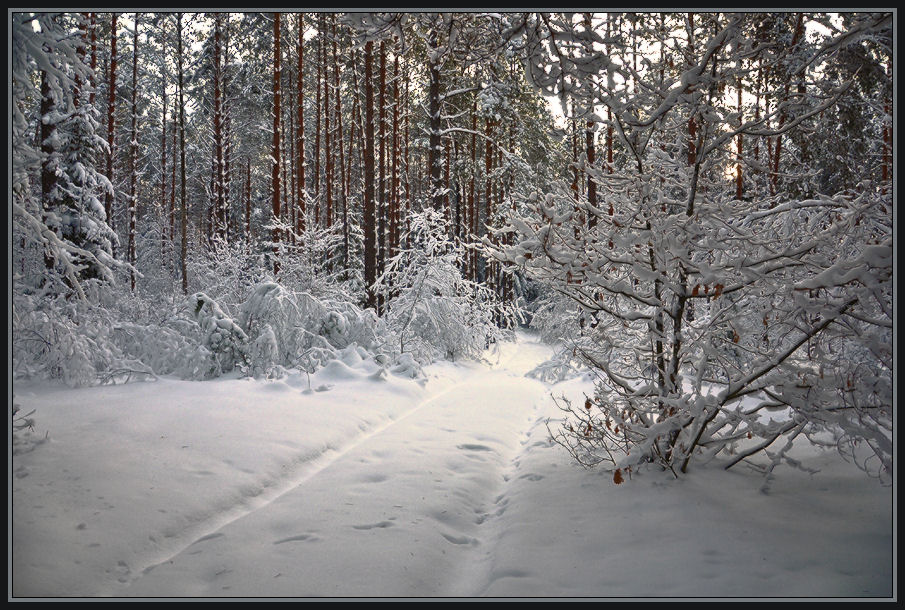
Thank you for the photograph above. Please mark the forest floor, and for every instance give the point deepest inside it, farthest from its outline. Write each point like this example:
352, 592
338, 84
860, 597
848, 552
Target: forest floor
364, 484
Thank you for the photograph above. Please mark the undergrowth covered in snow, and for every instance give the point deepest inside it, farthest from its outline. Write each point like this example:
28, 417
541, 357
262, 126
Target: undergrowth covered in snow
242, 322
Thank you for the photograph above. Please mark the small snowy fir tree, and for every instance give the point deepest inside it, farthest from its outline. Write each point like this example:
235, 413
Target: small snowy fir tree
432, 310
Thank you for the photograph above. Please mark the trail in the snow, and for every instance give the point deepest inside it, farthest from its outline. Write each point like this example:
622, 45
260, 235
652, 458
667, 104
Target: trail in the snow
408, 508
476, 574
303, 468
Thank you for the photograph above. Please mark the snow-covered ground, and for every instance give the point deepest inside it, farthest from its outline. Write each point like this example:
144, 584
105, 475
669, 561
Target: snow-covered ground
371, 484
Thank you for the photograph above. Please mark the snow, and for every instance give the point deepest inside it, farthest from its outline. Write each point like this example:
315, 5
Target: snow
363, 482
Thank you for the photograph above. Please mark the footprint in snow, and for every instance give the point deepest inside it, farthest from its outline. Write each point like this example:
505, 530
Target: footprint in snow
374, 478
123, 570
298, 538
209, 537
532, 477
370, 526
501, 574
461, 540
472, 447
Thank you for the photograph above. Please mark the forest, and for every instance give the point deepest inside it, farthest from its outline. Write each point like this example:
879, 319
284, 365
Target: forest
695, 209
402, 181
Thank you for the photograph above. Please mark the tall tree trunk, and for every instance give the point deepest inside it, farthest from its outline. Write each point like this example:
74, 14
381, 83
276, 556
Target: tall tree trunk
394, 179
757, 96
510, 286
472, 210
434, 169
353, 153
488, 189
182, 193
381, 167
49, 178
219, 181
301, 187
328, 148
692, 123
133, 157
447, 180
212, 202
275, 150
405, 154
80, 50
248, 205
317, 127
110, 196
227, 127
609, 111
356, 130
92, 29
285, 156
573, 124
165, 236
291, 203
370, 230
777, 151
609, 153
172, 208
343, 192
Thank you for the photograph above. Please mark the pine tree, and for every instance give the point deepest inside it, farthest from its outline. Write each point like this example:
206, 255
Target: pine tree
66, 221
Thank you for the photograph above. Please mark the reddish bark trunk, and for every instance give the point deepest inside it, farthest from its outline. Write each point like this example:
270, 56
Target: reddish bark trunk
111, 123
133, 158
301, 187
275, 149
370, 234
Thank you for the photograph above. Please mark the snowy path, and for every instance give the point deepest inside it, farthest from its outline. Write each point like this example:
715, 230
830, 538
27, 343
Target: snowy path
203, 504
407, 508
380, 486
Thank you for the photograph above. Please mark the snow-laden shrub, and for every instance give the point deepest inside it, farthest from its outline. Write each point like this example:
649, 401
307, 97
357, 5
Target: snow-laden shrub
728, 360
169, 346
263, 353
221, 335
84, 344
340, 322
225, 272
273, 322
405, 365
119, 338
312, 262
56, 339
297, 329
432, 311
25, 437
